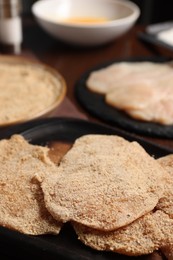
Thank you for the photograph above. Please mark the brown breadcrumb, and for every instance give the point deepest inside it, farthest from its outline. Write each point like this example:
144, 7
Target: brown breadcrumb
143, 236
22, 205
103, 182
166, 202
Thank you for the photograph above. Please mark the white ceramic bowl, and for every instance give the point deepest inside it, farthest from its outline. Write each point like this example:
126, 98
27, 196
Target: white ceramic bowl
99, 21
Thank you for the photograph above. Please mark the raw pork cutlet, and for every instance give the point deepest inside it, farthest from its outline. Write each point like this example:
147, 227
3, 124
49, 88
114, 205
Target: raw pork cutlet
143, 102
103, 182
160, 112
106, 79
145, 235
141, 96
21, 199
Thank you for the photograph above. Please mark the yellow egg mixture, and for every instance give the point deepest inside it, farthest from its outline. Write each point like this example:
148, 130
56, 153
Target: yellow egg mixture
85, 20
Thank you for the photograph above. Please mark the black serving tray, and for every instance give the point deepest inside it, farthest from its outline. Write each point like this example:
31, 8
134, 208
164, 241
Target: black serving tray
94, 103
150, 35
14, 245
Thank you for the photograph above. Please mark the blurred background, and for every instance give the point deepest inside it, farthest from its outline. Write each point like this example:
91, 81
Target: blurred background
152, 11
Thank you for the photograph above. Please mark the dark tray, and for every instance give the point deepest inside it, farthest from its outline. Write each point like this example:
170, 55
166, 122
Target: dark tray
150, 35
94, 103
152, 38
14, 245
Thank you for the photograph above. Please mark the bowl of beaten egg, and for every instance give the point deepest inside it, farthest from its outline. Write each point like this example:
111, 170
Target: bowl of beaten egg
86, 22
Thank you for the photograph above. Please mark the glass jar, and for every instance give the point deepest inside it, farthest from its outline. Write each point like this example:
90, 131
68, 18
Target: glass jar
10, 26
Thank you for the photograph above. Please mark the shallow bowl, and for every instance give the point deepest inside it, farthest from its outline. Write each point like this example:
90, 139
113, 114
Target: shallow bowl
32, 90
86, 22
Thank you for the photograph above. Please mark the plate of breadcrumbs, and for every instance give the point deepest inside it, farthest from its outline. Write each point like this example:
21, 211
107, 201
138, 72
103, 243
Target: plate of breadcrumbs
71, 189
28, 89
135, 94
